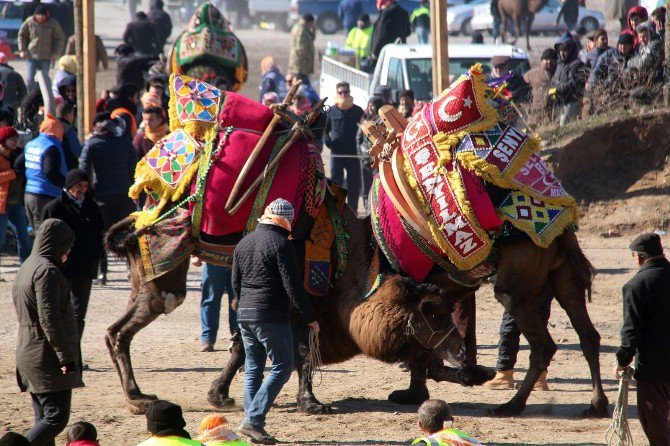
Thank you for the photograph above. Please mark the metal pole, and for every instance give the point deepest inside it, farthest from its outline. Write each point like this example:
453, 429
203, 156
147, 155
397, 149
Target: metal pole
79, 52
440, 41
90, 64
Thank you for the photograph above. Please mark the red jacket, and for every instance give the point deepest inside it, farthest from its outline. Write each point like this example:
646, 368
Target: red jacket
641, 12
82, 443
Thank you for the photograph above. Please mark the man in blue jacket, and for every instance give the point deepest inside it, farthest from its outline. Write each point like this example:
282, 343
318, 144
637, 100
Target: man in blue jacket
45, 169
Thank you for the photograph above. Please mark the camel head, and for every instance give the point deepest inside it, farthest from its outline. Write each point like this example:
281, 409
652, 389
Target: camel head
164, 293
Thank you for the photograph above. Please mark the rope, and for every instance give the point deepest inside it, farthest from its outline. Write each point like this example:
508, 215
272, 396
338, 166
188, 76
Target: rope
314, 361
618, 434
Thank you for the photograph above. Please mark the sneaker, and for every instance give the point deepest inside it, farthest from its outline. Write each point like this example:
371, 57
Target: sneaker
207, 347
258, 435
101, 280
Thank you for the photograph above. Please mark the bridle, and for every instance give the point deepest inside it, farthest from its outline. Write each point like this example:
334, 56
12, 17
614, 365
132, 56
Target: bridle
411, 331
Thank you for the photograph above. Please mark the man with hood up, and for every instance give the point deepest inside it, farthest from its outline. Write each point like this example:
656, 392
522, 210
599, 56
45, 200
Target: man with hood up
47, 351
636, 15
569, 80
161, 21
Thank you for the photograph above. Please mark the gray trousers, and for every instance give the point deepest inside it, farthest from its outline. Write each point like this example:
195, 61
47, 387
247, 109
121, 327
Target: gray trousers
34, 204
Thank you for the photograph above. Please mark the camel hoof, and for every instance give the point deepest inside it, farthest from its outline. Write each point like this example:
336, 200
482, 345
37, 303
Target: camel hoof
139, 405
409, 396
596, 412
504, 411
220, 401
315, 408
475, 375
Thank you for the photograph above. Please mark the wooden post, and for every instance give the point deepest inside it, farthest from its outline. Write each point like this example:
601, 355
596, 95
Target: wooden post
439, 36
89, 64
79, 52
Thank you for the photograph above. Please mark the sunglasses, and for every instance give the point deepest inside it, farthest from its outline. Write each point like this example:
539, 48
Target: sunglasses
343, 92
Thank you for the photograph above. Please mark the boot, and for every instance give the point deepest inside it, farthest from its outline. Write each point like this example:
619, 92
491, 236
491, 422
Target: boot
541, 383
503, 380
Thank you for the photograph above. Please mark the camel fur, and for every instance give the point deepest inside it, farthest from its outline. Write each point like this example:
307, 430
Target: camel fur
521, 13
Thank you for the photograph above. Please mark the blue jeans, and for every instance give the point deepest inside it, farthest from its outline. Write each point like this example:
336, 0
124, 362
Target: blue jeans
422, 34
35, 65
216, 280
15, 216
263, 339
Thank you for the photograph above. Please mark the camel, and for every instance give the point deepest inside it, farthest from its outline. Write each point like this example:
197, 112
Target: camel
521, 13
349, 323
348, 327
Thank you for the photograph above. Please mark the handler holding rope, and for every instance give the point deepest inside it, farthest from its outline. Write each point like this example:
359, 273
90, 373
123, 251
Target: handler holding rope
645, 336
267, 281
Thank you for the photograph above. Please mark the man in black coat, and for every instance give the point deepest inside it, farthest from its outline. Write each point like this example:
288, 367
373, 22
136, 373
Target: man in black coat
645, 336
130, 68
77, 208
267, 281
569, 81
392, 24
161, 21
141, 34
14, 85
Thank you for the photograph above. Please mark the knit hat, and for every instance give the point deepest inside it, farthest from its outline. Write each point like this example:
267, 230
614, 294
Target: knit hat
3, 57
52, 126
6, 133
214, 428
649, 243
75, 176
163, 415
549, 54
281, 208
68, 63
500, 60
13, 439
271, 96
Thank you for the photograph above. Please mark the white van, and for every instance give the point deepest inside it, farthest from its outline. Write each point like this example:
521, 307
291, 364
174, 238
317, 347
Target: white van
409, 67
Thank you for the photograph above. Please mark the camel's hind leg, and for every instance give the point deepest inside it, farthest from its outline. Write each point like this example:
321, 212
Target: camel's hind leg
119, 336
218, 395
569, 293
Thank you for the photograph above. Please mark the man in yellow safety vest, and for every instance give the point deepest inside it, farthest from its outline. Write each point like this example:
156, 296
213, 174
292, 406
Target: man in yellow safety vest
358, 39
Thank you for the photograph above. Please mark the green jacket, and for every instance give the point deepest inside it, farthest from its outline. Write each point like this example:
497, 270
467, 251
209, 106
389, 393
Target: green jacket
359, 40
41, 41
48, 335
301, 56
418, 12
171, 440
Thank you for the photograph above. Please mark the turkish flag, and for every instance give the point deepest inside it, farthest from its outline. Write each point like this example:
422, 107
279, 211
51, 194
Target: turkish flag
458, 109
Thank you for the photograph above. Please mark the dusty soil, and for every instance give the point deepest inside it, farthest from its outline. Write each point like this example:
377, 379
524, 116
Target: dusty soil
618, 169
167, 363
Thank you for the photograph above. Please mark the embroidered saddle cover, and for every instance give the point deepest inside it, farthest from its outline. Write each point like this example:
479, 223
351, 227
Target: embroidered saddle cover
436, 182
193, 170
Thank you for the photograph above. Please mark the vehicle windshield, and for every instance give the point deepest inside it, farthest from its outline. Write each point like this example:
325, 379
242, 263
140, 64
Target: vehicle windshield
420, 72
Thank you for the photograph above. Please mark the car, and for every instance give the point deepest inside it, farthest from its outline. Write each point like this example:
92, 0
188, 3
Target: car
545, 19
459, 15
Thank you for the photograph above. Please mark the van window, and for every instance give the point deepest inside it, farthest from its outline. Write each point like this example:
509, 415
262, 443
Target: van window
395, 78
420, 72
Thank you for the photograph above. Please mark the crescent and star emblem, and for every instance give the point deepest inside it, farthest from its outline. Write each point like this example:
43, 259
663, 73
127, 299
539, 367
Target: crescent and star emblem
412, 131
442, 111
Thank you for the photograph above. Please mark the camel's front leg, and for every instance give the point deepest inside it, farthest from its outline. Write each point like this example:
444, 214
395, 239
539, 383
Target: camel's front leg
307, 402
218, 395
417, 392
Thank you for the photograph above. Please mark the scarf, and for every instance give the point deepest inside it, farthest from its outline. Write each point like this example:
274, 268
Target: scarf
269, 218
344, 103
78, 201
155, 135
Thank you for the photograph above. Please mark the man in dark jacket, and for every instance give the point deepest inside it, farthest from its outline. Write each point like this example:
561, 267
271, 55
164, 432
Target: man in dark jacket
645, 336
47, 351
112, 157
340, 137
349, 11
608, 73
267, 281
130, 69
392, 24
14, 85
569, 80
161, 21
141, 34
76, 207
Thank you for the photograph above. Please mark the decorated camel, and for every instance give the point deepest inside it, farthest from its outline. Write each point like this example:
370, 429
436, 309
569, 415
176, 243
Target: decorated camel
434, 219
521, 14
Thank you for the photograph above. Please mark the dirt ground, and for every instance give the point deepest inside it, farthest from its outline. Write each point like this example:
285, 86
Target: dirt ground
168, 364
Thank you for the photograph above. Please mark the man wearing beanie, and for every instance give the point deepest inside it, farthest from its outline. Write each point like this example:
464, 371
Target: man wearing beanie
76, 207
607, 77
569, 80
165, 423
267, 282
539, 79
645, 336
45, 169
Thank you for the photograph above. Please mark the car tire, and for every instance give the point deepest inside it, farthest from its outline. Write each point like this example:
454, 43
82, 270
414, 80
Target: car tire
466, 28
590, 24
329, 23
